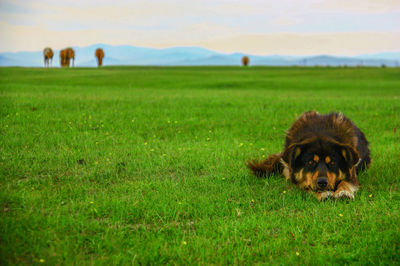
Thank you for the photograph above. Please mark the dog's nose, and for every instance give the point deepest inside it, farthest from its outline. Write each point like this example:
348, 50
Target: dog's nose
322, 182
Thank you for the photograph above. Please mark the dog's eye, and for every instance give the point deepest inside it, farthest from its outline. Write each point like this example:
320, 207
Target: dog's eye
312, 162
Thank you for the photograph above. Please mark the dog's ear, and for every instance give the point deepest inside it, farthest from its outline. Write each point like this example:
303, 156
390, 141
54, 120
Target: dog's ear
291, 153
349, 154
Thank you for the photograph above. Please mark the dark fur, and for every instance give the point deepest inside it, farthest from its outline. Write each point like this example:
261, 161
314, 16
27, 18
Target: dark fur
332, 135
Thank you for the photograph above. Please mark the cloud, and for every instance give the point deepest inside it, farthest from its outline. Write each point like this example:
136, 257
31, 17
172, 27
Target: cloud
221, 39
34, 38
286, 21
357, 6
336, 43
225, 25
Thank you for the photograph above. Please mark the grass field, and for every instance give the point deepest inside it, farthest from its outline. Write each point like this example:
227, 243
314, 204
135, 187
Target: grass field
124, 165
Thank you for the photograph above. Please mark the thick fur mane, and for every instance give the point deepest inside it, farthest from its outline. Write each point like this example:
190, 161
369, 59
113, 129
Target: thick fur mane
314, 125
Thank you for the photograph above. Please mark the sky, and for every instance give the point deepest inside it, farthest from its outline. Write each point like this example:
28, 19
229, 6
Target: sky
286, 27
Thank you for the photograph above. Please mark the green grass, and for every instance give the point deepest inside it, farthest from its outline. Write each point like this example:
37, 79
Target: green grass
124, 165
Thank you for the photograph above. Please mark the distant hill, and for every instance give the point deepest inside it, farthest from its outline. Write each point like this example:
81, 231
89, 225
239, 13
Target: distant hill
191, 56
387, 56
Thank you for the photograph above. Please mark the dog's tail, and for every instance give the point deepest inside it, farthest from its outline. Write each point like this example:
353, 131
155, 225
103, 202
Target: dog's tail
269, 166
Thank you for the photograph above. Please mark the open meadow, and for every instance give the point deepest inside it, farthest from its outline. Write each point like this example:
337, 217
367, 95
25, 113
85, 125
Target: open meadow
123, 165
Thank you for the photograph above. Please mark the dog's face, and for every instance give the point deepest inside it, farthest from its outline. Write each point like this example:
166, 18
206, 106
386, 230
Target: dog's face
320, 165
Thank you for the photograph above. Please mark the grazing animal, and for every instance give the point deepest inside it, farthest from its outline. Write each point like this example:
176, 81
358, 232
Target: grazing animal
48, 56
245, 60
66, 55
323, 154
99, 55
63, 55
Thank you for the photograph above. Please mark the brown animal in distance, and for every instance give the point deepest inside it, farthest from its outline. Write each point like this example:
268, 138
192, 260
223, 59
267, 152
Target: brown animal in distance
48, 56
65, 57
99, 55
245, 60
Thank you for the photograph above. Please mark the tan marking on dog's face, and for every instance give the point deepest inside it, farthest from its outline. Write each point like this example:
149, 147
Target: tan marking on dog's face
308, 180
316, 158
299, 176
327, 159
331, 180
314, 177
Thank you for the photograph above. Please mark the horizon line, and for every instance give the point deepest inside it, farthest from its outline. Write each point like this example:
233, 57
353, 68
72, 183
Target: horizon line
197, 46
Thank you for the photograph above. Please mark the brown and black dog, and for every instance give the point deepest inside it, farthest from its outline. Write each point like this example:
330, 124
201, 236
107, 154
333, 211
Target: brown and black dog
323, 154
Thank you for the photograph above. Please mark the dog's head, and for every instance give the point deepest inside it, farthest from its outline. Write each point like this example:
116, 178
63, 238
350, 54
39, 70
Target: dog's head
319, 164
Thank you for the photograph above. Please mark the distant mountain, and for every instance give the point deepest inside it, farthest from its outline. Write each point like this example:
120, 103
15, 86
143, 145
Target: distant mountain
190, 56
387, 56
325, 60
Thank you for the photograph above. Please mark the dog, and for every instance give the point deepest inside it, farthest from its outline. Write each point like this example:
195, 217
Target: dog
323, 154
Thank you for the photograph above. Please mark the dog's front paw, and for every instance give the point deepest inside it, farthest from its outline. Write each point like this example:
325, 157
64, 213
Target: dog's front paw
324, 195
344, 194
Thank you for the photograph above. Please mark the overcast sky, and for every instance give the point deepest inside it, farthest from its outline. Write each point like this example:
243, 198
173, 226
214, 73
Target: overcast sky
290, 27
